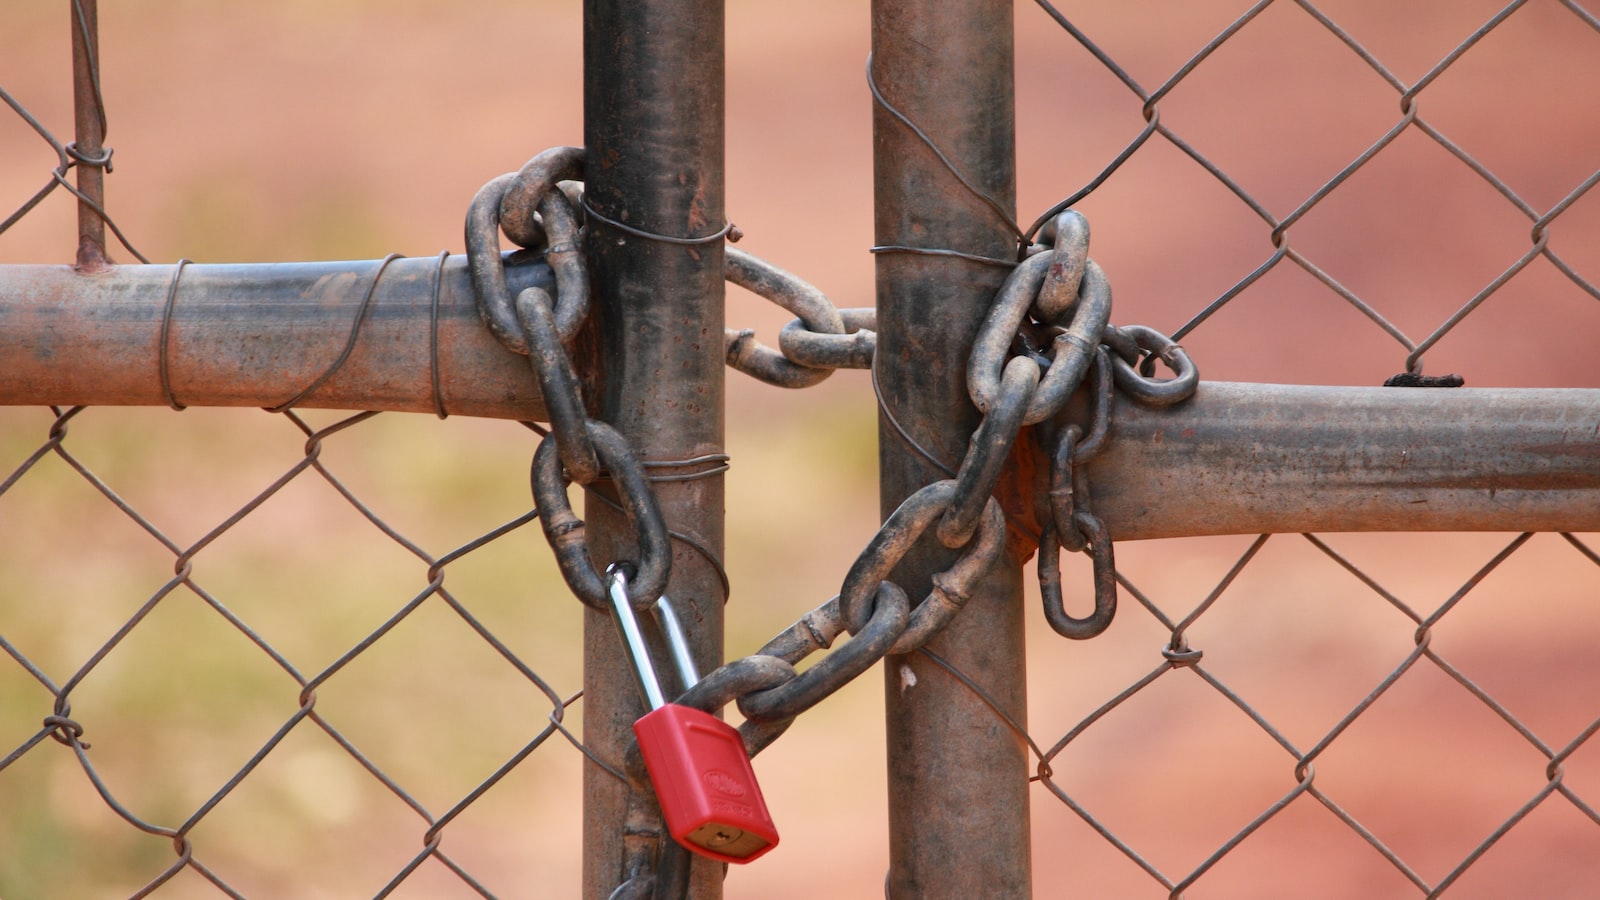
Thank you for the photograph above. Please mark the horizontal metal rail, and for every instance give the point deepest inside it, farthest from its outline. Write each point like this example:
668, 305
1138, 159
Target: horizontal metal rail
1236, 459
260, 334
1255, 458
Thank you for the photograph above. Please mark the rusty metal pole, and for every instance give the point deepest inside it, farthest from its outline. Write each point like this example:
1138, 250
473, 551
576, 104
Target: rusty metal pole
1252, 458
89, 134
257, 334
958, 778
653, 129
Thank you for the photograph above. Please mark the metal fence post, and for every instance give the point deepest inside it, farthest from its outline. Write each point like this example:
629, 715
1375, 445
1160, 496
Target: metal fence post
89, 133
653, 128
958, 785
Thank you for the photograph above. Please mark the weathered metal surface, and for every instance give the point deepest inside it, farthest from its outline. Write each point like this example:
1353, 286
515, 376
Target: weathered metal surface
89, 129
1236, 459
958, 778
653, 135
256, 335
1250, 458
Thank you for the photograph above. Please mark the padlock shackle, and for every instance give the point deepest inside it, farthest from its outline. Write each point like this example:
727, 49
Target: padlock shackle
677, 641
632, 639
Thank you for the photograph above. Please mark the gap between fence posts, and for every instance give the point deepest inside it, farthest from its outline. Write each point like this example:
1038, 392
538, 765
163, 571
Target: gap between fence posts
653, 130
958, 778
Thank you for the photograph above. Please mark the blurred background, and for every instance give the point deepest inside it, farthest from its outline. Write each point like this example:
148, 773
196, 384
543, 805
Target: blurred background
349, 129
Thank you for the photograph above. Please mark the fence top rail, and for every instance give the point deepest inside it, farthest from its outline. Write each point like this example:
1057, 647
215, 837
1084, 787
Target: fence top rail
398, 335
1239, 458
1255, 458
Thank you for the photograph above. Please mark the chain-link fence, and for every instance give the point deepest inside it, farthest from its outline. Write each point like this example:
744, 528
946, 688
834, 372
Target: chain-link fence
1330, 193
261, 654
302, 653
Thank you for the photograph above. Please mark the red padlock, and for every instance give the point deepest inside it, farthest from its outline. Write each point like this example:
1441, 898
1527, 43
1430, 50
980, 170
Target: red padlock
697, 763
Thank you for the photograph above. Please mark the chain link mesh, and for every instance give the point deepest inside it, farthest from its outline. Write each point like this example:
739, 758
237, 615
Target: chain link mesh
69, 155
1339, 715
275, 710
206, 698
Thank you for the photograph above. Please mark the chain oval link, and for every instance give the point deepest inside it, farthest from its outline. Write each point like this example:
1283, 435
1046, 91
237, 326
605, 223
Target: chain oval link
953, 587
1094, 535
910, 520
852, 350
1072, 349
1073, 448
565, 531
510, 201
732, 680
766, 280
988, 451
1156, 392
1069, 235
558, 383
867, 645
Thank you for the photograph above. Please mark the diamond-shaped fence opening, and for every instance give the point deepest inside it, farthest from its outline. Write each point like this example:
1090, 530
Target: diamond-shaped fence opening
1207, 758
1518, 668
136, 690
1551, 852
1292, 637
477, 718
1481, 101
1451, 754
1272, 862
1280, 107
361, 832
1433, 235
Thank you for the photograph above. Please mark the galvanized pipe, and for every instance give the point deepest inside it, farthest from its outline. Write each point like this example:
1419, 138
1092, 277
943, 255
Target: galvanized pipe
256, 335
1249, 458
653, 134
958, 778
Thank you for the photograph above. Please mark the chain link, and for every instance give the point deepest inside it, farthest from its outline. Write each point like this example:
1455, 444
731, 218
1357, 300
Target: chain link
566, 531
1044, 277
854, 349
816, 316
528, 208
1046, 332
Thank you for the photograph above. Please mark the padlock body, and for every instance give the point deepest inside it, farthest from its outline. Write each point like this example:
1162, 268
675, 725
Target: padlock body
707, 789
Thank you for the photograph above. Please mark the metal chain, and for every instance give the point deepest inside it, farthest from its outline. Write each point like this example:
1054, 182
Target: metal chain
1047, 332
